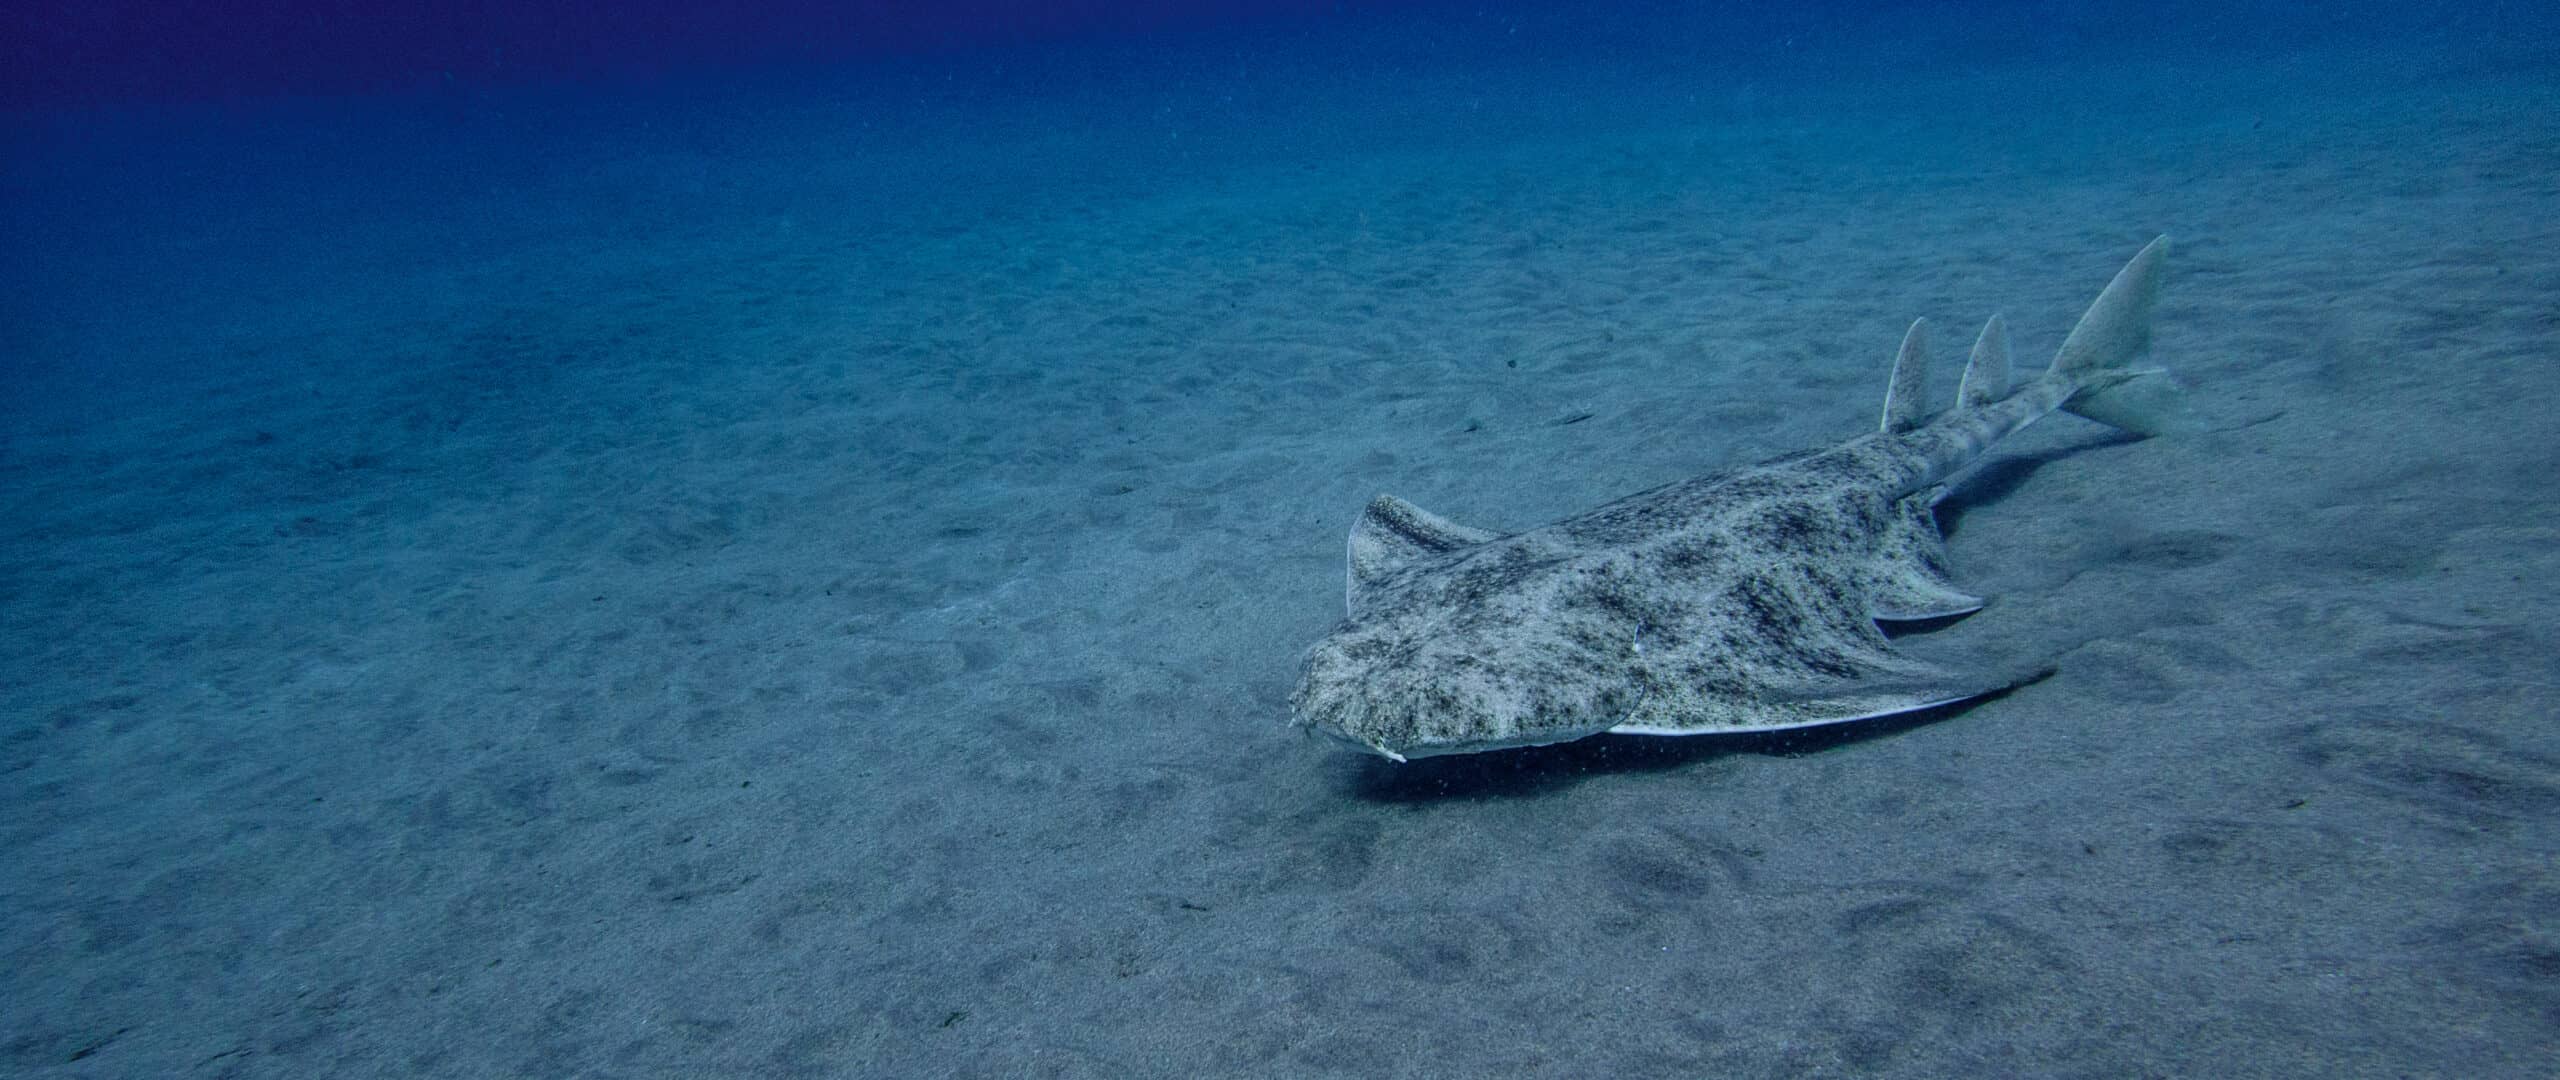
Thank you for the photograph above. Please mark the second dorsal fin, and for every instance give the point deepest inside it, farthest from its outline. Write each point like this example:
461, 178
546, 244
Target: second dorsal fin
1986, 373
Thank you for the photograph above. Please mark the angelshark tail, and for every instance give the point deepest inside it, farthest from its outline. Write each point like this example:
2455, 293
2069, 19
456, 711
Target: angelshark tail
2099, 373
2102, 356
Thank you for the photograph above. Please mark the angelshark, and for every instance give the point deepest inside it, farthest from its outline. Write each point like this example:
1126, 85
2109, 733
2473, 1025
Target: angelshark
1739, 601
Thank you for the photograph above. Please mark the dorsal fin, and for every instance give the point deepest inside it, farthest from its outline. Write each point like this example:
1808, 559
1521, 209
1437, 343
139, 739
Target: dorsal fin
1986, 374
1905, 405
1392, 532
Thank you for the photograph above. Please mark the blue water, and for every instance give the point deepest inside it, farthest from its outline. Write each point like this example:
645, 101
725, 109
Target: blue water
155, 128
543, 542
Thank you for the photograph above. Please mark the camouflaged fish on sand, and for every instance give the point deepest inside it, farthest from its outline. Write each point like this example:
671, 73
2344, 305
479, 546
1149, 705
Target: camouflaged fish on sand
1740, 601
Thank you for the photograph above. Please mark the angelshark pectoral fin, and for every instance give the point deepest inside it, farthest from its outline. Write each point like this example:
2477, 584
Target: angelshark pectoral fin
1844, 701
1912, 688
1391, 533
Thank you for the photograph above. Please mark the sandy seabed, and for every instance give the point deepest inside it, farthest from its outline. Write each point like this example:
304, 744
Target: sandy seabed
792, 595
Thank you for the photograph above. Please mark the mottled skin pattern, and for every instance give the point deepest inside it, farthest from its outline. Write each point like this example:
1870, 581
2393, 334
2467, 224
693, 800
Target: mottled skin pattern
1735, 602
1742, 601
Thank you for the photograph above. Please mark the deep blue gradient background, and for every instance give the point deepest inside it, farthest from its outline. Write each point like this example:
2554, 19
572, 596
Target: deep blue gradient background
55, 52
124, 51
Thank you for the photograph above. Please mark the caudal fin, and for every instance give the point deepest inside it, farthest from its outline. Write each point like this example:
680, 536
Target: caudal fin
2104, 354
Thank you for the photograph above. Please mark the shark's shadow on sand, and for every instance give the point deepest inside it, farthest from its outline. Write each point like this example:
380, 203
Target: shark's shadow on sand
1997, 480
